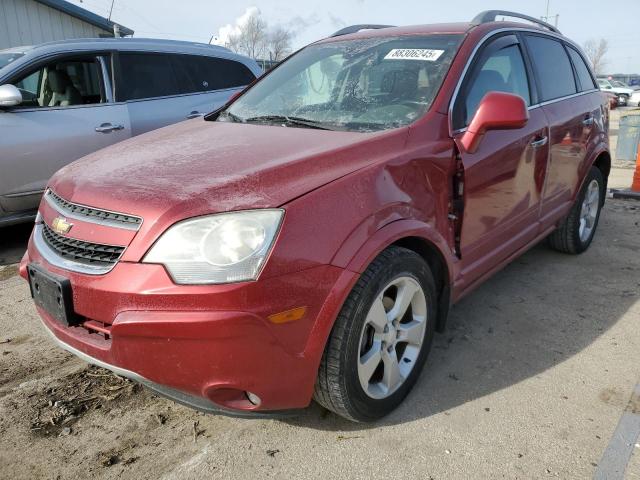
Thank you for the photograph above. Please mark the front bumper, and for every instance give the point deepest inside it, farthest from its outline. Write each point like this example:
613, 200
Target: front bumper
204, 346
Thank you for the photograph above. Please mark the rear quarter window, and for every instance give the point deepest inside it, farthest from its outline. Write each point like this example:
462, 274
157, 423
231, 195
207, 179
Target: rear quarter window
552, 66
584, 76
203, 74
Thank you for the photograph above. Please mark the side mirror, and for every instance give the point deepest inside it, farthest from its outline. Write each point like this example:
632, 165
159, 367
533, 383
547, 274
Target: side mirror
497, 111
10, 96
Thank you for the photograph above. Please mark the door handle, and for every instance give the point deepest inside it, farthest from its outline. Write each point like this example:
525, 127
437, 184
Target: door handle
588, 121
108, 128
541, 142
195, 114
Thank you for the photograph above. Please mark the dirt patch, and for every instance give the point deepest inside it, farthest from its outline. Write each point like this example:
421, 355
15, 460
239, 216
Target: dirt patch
8, 272
122, 455
612, 396
55, 409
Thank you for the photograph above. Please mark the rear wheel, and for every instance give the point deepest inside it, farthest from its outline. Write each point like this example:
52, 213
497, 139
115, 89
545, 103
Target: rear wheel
381, 338
576, 232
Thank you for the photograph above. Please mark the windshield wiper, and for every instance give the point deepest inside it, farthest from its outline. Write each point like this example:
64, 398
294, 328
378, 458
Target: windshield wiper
302, 122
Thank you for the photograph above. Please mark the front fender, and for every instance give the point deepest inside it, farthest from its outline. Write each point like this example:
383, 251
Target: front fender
359, 249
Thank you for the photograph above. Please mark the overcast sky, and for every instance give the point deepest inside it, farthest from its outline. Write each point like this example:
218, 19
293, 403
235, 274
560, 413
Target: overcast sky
198, 20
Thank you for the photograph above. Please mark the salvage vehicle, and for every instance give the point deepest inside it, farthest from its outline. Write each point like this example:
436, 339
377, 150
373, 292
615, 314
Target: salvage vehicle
306, 241
62, 100
623, 93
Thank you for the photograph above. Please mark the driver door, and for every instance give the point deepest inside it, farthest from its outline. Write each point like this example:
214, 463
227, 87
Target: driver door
504, 178
67, 112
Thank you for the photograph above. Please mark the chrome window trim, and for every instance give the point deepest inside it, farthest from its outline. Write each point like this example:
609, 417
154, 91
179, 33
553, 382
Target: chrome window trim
54, 259
179, 95
108, 90
481, 43
85, 218
542, 104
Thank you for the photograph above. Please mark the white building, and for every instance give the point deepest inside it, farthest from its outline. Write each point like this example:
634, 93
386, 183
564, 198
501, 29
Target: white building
30, 22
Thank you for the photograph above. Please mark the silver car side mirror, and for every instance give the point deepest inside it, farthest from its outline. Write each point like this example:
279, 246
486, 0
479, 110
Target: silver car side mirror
9, 96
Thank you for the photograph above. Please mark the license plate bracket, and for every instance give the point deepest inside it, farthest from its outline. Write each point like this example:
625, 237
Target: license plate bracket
53, 294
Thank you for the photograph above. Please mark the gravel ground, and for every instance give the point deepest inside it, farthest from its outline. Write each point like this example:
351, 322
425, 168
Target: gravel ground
531, 380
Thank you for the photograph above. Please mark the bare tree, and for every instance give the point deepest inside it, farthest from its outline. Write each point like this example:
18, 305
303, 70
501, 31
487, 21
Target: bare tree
251, 40
596, 51
255, 39
279, 43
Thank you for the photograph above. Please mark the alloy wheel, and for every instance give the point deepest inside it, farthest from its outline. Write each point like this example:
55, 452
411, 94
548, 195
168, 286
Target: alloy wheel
589, 210
392, 337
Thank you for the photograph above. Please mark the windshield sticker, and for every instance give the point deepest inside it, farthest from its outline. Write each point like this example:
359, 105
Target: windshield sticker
424, 54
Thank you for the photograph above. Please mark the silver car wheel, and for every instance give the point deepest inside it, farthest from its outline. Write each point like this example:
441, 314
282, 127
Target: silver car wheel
589, 210
392, 337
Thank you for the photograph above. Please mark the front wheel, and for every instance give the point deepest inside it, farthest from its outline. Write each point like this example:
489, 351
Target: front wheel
381, 338
576, 232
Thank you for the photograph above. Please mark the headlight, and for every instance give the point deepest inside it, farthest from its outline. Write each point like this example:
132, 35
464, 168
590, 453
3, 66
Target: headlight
222, 248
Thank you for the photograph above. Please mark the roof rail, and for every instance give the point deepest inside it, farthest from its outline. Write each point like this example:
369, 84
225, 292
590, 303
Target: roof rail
357, 28
490, 16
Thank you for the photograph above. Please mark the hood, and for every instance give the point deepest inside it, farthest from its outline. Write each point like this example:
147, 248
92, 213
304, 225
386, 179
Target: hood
198, 167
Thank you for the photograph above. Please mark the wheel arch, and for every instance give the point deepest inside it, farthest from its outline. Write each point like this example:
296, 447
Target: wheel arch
602, 162
419, 237
435, 259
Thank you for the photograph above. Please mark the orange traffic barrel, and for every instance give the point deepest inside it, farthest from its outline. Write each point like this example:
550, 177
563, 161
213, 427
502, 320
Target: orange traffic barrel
635, 186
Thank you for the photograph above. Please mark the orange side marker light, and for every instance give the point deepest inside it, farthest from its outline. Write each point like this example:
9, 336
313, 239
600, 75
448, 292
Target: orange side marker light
288, 315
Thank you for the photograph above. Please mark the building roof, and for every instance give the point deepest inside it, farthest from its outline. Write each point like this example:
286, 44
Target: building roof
85, 15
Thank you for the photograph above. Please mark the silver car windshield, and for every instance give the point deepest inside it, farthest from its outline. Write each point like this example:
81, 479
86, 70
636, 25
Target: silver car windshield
357, 85
7, 57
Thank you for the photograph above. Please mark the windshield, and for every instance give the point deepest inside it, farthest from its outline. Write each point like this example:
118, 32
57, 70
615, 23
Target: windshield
359, 85
7, 57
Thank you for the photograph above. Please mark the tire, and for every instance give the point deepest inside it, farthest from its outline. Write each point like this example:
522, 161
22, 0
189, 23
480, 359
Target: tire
569, 237
396, 275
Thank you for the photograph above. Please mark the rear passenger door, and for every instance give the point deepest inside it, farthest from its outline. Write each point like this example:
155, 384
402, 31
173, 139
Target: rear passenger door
165, 88
572, 117
503, 179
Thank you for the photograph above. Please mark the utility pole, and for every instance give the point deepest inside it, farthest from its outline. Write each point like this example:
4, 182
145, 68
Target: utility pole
548, 17
114, 1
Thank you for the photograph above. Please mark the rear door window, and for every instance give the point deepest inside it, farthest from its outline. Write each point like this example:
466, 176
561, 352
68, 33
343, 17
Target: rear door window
204, 74
552, 66
584, 76
145, 75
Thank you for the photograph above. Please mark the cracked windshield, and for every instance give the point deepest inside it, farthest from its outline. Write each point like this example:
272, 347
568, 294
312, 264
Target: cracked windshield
367, 85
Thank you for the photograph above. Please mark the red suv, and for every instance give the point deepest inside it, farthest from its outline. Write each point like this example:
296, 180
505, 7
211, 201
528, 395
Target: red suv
308, 239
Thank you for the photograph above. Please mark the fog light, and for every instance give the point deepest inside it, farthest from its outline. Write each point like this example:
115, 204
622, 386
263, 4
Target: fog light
253, 398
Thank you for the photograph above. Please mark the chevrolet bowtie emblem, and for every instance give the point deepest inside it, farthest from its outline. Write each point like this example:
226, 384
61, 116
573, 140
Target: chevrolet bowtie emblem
60, 225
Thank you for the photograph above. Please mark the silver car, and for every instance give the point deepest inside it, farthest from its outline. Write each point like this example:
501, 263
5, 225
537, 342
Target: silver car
60, 101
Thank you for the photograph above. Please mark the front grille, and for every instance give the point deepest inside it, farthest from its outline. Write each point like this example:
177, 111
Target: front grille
79, 251
91, 213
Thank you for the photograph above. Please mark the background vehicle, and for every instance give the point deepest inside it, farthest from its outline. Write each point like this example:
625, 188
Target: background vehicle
621, 84
308, 240
77, 96
623, 93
